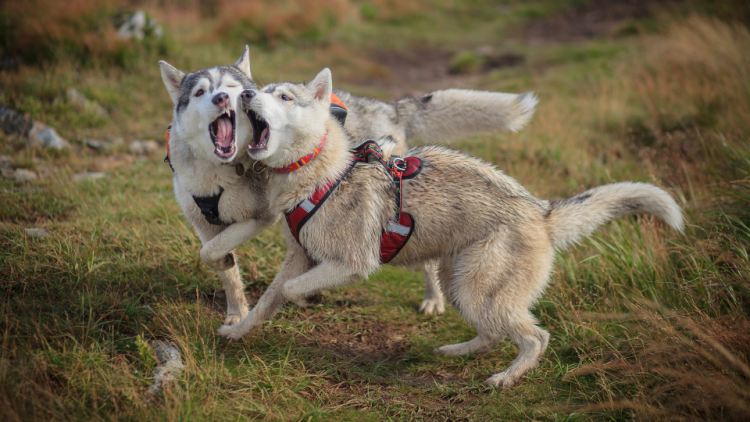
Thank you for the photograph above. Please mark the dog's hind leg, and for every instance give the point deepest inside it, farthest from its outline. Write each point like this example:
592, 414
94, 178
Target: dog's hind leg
495, 282
433, 303
531, 341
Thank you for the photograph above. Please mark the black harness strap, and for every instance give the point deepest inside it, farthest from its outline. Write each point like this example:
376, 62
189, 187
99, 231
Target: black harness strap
209, 206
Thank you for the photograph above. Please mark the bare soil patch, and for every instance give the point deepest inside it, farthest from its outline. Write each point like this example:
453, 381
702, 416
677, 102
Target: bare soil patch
422, 69
361, 342
597, 19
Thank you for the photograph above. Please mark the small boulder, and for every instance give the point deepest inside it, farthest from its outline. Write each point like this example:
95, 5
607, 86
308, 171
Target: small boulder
88, 176
82, 103
45, 136
5, 162
143, 147
7, 173
138, 25
23, 175
35, 232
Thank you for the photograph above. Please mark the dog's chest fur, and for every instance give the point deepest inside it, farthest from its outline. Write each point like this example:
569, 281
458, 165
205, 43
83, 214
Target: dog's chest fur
244, 197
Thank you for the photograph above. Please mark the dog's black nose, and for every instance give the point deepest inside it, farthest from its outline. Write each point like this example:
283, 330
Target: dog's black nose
221, 99
247, 95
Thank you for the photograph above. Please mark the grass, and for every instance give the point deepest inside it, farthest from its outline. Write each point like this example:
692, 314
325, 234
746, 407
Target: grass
645, 323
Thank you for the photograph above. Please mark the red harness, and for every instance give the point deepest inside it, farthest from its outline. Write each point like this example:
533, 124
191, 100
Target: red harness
399, 229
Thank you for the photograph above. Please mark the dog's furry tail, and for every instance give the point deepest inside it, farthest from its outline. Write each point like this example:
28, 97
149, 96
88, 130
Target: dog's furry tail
574, 218
443, 116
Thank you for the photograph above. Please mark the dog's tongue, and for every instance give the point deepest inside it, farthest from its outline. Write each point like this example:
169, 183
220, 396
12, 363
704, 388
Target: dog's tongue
262, 139
224, 132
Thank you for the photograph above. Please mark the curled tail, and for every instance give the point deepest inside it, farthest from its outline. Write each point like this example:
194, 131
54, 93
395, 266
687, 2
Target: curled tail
443, 116
574, 218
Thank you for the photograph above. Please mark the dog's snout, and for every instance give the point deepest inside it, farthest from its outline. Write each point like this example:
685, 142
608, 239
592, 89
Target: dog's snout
247, 95
221, 99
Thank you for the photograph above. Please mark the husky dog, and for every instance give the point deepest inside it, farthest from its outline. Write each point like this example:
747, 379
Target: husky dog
222, 190
495, 241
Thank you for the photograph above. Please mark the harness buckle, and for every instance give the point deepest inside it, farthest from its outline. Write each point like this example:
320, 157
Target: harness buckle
399, 163
262, 167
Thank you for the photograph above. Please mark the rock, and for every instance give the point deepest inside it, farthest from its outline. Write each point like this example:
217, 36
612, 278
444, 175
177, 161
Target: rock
143, 147
8, 173
82, 103
23, 175
5, 161
113, 162
37, 232
88, 176
13, 122
45, 136
96, 144
39, 134
169, 368
138, 26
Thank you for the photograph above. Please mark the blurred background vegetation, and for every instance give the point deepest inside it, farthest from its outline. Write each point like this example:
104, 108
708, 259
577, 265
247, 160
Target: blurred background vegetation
646, 323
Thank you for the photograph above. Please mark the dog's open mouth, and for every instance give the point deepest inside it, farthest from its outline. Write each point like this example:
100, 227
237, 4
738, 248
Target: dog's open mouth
222, 131
261, 132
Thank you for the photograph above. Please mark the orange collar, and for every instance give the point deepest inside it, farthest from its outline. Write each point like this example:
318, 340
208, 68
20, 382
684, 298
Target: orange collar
302, 161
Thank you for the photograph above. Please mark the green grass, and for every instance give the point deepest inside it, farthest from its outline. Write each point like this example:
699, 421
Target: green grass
645, 323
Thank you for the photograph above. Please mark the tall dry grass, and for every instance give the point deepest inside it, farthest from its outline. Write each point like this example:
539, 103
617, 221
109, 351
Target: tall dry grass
687, 357
270, 22
36, 31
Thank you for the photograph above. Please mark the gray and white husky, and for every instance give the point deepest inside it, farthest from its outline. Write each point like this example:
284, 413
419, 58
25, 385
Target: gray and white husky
494, 240
223, 191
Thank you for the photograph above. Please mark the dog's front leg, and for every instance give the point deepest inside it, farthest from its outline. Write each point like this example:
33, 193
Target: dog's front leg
307, 287
295, 263
217, 252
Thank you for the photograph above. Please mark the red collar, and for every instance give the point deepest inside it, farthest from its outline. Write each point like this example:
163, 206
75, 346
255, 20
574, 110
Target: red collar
302, 161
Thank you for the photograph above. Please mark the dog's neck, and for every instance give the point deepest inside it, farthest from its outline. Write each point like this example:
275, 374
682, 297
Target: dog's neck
201, 177
288, 189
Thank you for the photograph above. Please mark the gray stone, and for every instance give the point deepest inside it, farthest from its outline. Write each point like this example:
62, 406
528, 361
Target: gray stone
82, 103
37, 232
138, 26
170, 365
7, 173
13, 122
96, 144
45, 136
5, 161
143, 147
88, 176
23, 175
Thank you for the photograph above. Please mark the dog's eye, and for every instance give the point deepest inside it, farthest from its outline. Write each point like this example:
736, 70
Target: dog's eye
285, 98
199, 93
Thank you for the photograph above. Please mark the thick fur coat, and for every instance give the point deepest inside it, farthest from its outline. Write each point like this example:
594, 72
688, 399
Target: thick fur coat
494, 240
205, 163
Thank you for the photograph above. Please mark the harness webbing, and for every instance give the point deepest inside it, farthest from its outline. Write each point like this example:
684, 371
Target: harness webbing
398, 230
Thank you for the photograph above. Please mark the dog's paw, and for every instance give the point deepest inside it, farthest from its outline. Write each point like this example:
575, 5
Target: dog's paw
222, 264
231, 332
432, 307
232, 319
502, 379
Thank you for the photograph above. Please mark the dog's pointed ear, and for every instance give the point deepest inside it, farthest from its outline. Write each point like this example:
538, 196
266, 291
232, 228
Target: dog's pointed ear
243, 64
322, 86
172, 80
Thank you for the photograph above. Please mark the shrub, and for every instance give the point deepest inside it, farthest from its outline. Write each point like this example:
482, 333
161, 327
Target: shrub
34, 31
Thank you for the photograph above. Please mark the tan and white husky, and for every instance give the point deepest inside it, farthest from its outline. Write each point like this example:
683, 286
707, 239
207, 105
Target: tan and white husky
494, 240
